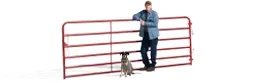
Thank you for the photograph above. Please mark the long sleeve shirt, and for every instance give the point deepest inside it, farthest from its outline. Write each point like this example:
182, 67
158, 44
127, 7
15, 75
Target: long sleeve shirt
151, 23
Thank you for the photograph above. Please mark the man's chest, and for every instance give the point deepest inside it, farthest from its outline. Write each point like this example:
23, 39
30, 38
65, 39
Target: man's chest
147, 16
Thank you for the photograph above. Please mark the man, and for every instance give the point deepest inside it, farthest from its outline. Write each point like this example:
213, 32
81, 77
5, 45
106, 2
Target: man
150, 32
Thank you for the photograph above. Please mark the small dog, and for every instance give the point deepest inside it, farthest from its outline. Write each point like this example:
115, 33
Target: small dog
126, 66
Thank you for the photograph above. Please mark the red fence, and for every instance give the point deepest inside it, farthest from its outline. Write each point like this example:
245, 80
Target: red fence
65, 45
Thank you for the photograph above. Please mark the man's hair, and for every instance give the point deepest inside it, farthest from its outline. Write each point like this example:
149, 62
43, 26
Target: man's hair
147, 3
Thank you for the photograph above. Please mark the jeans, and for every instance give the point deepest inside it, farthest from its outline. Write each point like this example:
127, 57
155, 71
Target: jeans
146, 43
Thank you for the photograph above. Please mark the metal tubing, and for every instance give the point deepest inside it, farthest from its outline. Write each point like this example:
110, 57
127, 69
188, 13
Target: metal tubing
190, 41
117, 62
120, 20
115, 71
118, 32
63, 52
122, 42
111, 44
106, 54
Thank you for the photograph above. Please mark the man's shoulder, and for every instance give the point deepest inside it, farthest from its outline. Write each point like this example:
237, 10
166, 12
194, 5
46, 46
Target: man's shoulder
154, 12
143, 11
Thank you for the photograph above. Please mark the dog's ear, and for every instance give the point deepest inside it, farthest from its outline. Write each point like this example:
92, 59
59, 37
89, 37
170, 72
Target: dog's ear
121, 53
126, 53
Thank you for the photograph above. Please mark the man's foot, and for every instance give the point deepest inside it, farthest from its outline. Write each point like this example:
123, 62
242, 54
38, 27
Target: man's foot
145, 68
150, 68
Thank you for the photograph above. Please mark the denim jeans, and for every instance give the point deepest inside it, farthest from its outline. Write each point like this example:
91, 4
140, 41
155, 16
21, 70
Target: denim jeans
146, 43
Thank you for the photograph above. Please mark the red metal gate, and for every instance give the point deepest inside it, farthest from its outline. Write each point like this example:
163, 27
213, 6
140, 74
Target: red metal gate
65, 45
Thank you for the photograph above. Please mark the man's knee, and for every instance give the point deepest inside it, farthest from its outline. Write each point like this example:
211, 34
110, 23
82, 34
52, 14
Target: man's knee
144, 47
143, 50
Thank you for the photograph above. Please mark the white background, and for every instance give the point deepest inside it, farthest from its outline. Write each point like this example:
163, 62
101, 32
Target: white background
30, 45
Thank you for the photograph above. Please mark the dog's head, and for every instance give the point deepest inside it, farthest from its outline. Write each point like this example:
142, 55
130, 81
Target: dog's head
124, 55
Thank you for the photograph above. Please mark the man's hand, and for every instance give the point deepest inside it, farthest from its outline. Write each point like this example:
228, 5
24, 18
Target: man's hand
142, 22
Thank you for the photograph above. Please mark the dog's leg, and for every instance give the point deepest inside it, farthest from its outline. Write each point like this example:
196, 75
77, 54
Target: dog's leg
126, 73
129, 73
130, 68
121, 71
132, 71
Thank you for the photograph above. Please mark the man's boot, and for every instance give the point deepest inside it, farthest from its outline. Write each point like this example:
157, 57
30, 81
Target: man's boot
152, 68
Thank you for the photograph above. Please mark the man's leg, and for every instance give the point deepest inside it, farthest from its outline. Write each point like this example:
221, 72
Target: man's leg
153, 46
144, 49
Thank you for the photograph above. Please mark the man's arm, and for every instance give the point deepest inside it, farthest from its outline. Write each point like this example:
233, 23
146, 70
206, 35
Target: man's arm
154, 22
137, 16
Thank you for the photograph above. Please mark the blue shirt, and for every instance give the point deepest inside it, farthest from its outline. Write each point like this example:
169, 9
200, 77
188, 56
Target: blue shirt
151, 23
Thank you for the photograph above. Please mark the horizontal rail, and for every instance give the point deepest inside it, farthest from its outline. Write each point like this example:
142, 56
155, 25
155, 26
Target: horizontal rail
120, 20
115, 71
127, 31
104, 54
134, 41
117, 62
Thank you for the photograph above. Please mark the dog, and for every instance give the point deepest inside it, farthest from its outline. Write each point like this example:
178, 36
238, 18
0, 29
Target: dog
126, 66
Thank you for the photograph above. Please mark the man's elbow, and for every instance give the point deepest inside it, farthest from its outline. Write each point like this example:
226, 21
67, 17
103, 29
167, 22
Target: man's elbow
135, 17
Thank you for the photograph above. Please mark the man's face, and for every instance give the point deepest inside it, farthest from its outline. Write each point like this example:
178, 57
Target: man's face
148, 7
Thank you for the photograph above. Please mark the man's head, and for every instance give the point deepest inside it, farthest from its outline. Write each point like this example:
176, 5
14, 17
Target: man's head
148, 5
